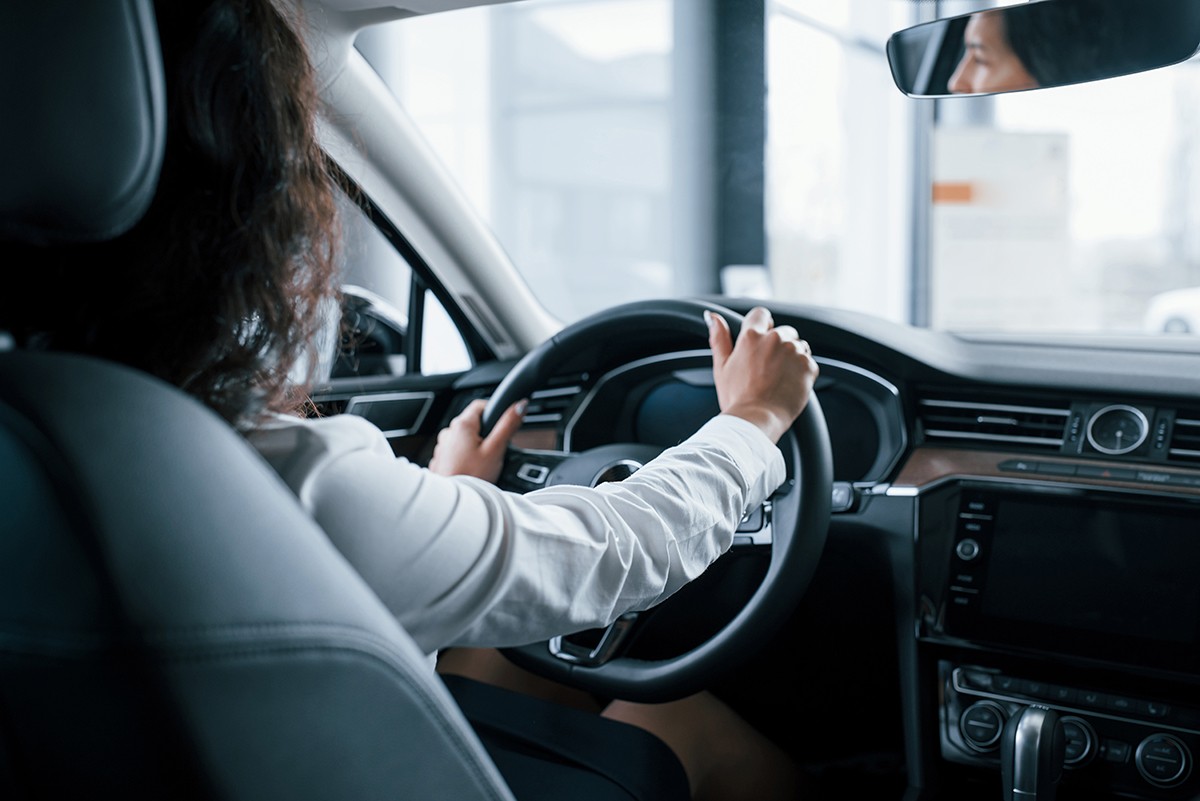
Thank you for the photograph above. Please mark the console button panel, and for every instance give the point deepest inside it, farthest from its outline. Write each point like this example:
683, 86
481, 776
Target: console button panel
1130, 746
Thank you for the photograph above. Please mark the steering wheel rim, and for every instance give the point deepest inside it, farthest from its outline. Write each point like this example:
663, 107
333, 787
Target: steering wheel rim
801, 517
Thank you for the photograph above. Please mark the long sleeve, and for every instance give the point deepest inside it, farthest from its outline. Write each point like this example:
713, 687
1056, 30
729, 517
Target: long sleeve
461, 562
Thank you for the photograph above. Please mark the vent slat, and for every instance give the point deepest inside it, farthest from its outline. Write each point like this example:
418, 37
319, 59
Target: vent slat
1185, 441
1000, 423
1052, 426
549, 406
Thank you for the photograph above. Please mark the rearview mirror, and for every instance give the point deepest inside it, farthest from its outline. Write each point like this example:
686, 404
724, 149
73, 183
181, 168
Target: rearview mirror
1042, 44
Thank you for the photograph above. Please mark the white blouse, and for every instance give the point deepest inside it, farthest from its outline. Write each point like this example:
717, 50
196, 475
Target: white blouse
461, 562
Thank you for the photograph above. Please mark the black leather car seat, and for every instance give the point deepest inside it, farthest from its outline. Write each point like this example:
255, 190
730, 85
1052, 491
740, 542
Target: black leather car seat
172, 625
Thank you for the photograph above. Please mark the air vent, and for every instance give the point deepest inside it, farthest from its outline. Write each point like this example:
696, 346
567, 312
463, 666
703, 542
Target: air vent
1185, 441
550, 405
1007, 424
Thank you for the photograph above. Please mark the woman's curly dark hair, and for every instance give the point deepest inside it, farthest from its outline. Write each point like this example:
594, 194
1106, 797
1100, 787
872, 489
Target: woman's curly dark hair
220, 289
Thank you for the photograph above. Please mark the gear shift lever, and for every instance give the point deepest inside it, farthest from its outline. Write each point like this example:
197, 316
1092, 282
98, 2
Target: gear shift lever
1032, 750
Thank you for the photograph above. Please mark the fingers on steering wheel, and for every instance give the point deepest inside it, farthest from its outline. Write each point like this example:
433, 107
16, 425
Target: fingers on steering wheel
470, 416
759, 319
787, 333
508, 424
719, 337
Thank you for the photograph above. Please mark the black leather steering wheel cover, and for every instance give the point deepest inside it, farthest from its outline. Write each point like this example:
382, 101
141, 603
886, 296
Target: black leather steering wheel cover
800, 524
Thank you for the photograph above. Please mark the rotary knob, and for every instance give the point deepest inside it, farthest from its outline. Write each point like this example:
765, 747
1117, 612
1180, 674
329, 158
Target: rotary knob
1163, 760
1080, 742
981, 725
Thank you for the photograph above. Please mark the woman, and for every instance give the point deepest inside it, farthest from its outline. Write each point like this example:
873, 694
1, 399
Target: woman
226, 280
989, 63
1048, 44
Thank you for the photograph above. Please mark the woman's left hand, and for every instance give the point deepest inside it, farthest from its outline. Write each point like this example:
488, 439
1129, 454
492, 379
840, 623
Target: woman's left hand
460, 451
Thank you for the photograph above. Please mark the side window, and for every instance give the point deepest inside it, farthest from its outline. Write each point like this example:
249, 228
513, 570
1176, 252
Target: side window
390, 323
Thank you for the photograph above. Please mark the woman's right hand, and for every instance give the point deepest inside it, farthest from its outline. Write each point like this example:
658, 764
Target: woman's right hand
767, 376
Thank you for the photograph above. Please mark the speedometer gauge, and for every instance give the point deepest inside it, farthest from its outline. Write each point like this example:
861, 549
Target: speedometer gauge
1117, 429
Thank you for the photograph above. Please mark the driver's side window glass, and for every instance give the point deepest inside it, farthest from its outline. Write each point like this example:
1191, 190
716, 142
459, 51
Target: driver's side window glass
374, 336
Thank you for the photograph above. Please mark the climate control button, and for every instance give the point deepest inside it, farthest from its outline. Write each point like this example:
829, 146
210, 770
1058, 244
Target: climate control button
981, 725
1163, 760
1080, 742
967, 549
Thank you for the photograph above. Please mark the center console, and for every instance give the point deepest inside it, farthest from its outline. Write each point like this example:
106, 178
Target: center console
1082, 601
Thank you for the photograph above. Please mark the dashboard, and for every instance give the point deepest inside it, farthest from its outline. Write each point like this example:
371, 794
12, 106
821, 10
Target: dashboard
1014, 528
1054, 561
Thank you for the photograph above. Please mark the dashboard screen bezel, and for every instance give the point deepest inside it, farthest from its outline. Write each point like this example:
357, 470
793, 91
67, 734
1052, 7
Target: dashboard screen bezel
995, 599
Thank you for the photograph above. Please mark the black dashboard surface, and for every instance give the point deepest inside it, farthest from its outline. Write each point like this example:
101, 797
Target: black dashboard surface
1077, 589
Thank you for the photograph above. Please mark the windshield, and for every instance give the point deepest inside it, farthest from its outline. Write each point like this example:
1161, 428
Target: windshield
625, 149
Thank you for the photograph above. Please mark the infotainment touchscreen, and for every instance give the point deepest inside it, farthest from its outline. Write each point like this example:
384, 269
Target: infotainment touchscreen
1084, 574
1106, 569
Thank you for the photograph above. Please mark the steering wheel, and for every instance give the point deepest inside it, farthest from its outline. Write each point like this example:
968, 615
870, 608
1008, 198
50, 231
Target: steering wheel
798, 511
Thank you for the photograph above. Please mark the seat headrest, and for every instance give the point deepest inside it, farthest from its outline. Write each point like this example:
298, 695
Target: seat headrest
84, 118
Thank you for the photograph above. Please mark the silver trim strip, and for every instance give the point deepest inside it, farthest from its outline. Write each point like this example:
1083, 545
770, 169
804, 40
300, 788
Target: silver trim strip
1017, 480
945, 404
397, 396
854, 368
569, 429
993, 437
552, 417
538, 394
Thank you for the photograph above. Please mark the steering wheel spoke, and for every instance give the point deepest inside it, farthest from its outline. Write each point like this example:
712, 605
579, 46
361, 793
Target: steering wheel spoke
595, 647
756, 527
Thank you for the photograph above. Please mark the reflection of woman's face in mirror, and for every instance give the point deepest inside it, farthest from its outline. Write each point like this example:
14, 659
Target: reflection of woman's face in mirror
989, 63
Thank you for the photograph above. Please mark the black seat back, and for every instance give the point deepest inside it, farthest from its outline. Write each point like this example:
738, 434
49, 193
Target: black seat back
172, 624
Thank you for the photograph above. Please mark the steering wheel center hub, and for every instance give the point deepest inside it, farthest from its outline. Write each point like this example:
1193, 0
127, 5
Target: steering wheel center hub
613, 462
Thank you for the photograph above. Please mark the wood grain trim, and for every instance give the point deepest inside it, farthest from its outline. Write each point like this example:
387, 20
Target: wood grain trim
928, 466
537, 439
